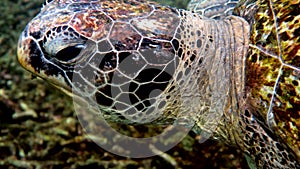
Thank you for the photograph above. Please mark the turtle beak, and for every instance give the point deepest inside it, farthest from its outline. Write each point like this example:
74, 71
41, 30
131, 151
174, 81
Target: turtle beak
30, 55
24, 50
21, 49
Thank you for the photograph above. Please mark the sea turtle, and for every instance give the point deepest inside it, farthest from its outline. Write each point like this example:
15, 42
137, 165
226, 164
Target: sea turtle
230, 64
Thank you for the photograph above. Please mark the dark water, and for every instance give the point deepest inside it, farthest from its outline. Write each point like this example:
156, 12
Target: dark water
39, 129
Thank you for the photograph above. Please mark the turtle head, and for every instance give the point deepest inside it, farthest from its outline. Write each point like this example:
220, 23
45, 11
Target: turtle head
121, 54
48, 47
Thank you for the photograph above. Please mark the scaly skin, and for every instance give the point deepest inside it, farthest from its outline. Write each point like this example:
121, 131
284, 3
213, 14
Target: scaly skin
172, 61
213, 8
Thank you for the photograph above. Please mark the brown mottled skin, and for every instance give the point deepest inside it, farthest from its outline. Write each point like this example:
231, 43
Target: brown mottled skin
239, 71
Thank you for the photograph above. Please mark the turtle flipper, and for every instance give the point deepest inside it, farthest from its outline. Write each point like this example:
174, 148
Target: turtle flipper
262, 148
213, 8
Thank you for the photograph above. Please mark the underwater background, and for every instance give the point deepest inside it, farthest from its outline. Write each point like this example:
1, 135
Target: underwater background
39, 129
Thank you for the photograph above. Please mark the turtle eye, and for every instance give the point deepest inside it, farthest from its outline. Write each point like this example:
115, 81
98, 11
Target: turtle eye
69, 53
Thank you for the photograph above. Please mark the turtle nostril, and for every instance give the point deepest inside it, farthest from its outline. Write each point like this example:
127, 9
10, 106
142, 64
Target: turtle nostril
36, 35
